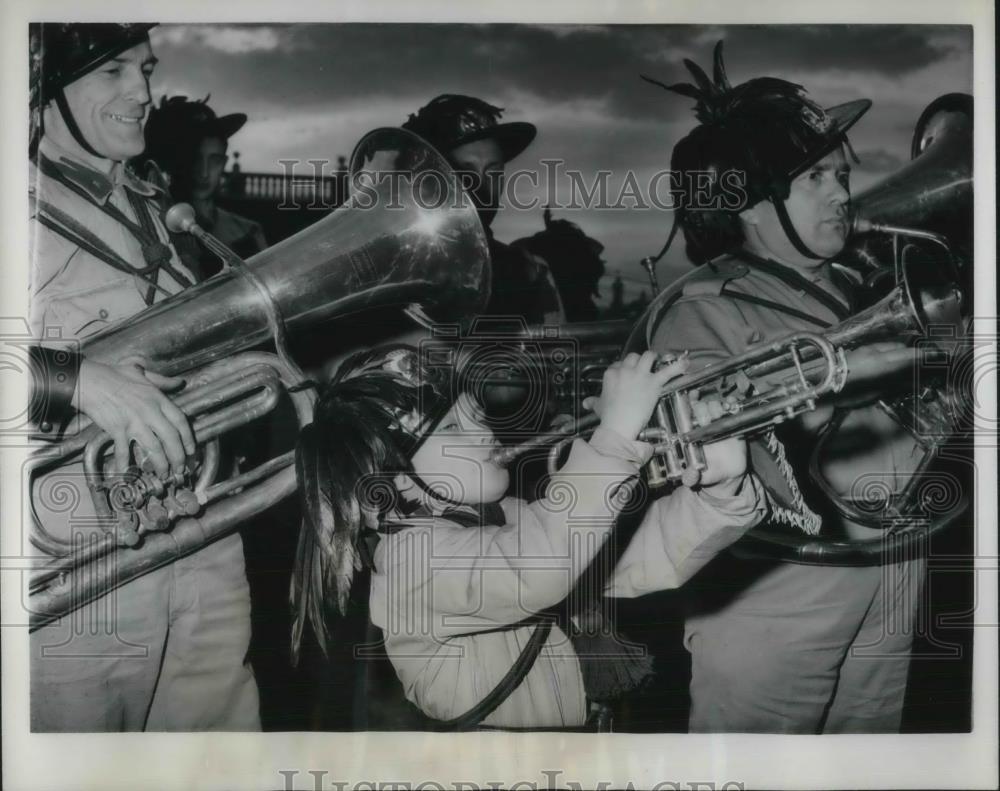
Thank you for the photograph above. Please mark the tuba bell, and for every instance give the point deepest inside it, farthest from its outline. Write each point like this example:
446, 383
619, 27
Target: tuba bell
393, 244
927, 201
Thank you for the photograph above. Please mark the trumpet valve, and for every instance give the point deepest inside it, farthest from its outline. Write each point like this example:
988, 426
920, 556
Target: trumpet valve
657, 474
695, 456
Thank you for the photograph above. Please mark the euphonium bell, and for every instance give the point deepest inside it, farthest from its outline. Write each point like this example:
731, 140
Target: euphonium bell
410, 240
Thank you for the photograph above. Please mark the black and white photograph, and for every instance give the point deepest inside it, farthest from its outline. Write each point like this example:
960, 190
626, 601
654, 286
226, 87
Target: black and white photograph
493, 397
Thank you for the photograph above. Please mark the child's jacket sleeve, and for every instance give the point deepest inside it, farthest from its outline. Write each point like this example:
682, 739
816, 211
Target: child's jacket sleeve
680, 533
477, 579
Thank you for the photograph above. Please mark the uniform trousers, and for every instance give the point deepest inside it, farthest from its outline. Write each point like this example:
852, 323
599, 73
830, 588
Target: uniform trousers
790, 648
165, 652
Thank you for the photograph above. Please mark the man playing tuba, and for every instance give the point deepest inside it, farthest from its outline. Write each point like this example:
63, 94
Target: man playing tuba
166, 651
784, 647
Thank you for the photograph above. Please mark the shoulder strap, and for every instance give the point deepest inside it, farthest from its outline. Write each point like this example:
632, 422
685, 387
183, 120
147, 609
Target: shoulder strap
792, 278
770, 304
157, 255
513, 677
61, 223
511, 681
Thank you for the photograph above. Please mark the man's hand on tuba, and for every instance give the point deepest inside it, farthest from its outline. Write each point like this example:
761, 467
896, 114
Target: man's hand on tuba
128, 403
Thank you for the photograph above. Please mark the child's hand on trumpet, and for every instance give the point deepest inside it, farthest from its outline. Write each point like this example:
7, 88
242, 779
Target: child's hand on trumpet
630, 392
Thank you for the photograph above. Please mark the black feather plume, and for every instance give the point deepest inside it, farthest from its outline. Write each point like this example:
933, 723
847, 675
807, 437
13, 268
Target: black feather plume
721, 80
704, 84
718, 102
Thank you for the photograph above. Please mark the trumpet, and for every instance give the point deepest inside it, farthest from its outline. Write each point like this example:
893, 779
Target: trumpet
770, 383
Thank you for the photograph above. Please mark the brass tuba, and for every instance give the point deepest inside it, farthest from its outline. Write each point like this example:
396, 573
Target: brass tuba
413, 242
928, 201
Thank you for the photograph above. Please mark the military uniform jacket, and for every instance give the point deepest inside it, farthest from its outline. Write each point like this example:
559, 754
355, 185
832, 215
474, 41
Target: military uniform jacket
73, 293
727, 306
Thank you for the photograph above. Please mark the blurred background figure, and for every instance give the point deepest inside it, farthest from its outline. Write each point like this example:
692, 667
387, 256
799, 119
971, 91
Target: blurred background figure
186, 151
468, 132
575, 261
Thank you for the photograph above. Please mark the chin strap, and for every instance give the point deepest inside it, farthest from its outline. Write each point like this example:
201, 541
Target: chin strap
71, 124
791, 233
422, 485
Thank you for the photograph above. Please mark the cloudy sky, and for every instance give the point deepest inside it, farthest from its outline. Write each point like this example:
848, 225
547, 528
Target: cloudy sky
312, 91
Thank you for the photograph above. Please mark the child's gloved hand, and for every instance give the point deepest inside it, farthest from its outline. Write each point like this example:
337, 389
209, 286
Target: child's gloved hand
631, 390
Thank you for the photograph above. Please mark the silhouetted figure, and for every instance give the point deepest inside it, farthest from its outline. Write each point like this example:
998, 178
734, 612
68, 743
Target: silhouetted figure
574, 259
236, 184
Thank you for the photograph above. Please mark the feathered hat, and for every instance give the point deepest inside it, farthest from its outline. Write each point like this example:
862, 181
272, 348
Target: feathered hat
368, 422
452, 120
765, 128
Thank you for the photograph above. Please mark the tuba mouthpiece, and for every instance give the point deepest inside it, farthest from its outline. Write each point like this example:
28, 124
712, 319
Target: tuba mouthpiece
181, 218
862, 225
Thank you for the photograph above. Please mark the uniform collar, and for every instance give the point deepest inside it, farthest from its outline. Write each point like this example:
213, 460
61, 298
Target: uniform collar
97, 185
795, 279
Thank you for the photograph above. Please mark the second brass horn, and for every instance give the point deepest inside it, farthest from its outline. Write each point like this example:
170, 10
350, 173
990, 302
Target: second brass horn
928, 199
933, 192
387, 246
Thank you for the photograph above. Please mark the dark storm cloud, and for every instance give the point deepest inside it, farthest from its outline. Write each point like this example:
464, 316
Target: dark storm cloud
316, 64
314, 90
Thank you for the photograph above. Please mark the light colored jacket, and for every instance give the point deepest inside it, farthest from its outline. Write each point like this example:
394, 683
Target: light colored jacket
446, 596
73, 293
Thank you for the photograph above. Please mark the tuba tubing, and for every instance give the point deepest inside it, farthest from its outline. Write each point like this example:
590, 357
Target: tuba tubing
386, 250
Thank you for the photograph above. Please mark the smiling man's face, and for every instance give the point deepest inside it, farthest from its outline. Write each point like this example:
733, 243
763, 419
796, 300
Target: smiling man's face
109, 104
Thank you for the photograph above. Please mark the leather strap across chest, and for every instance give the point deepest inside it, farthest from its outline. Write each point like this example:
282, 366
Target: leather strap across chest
794, 280
155, 253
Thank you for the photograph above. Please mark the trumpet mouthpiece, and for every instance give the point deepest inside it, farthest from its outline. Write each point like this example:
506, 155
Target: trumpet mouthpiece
503, 456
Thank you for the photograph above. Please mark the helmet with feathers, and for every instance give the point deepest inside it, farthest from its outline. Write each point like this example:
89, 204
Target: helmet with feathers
766, 129
369, 421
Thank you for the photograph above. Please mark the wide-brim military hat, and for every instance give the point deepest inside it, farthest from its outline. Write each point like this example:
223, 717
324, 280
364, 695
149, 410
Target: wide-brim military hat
177, 116
452, 120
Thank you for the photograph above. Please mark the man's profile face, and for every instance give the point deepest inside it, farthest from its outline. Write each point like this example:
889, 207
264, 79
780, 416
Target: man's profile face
481, 167
210, 160
817, 205
109, 105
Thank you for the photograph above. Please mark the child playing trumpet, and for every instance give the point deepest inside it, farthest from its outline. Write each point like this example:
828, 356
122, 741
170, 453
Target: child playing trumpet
459, 571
